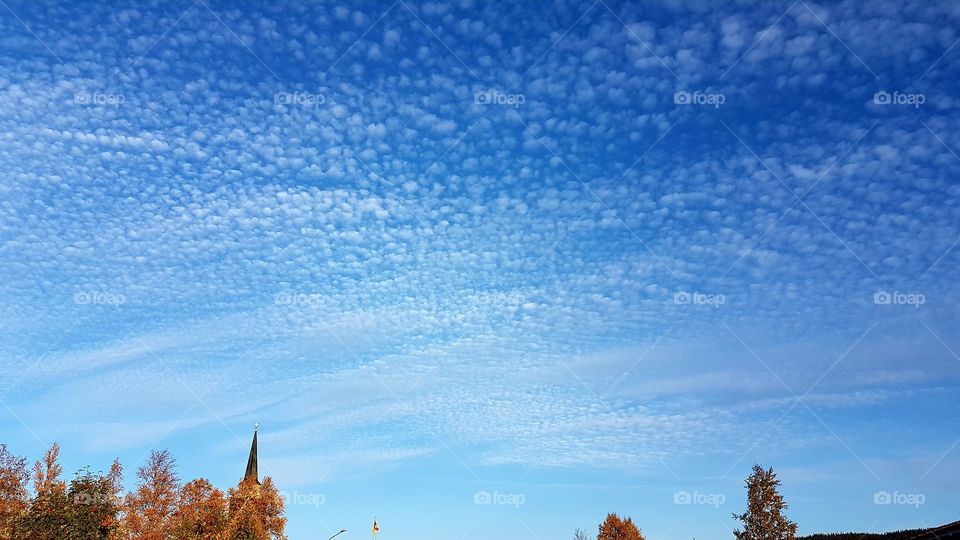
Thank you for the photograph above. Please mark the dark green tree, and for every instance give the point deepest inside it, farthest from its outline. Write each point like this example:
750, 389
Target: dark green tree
94, 507
86, 511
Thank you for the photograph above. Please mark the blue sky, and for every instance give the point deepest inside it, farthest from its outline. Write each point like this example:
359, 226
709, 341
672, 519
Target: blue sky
565, 258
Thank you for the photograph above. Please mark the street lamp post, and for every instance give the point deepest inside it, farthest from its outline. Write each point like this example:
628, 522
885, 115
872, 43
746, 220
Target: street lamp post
338, 534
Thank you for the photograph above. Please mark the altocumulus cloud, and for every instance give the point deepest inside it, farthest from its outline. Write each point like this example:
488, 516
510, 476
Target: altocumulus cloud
499, 274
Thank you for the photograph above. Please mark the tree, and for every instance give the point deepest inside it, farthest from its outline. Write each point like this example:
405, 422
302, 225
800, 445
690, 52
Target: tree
256, 511
580, 534
201, 512
115, 478
764, 519
13, 491
93, 507
614, 528
47, 518
86, 510
148, 512
46, 473
115, 482
50, 513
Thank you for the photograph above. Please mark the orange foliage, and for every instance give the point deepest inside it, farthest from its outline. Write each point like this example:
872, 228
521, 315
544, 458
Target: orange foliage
614, 528
115, 483
46, 473
149, 509
256, 511
92, 505
13, 490
201, 512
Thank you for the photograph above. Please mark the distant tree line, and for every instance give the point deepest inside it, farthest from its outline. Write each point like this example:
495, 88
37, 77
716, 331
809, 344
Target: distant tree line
92, 506
894, 535
763, 519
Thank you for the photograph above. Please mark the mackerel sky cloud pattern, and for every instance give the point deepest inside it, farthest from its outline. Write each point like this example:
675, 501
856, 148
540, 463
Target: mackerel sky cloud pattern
592, 253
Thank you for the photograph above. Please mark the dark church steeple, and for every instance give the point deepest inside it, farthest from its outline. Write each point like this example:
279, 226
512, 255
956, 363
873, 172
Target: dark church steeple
252, 460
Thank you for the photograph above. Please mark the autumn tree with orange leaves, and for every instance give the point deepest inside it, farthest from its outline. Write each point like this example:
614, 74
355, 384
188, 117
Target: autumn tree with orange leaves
46, 473
115, 487
13, 491
256, 511
48, 512
92, 505
148, 511
201, 512
615, 528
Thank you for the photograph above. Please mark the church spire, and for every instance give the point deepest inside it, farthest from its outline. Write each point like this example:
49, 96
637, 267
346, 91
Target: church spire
252, 460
